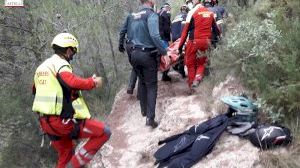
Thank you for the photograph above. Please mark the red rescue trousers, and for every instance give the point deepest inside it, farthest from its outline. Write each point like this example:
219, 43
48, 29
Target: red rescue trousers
196, 66
95, 130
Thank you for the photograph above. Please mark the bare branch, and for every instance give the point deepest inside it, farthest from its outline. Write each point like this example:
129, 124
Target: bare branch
19, 28
43, 45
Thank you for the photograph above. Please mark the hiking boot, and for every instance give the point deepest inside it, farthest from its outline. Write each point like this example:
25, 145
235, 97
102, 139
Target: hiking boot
151, 122
166, 78
129, 91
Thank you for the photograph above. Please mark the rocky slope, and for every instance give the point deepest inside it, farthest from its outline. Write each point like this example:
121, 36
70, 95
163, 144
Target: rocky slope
132, 144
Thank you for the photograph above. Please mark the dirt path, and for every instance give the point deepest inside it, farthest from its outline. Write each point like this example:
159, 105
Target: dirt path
132, 144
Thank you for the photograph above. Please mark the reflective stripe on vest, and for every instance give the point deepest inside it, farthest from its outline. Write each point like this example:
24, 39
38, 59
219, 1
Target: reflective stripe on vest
47, 99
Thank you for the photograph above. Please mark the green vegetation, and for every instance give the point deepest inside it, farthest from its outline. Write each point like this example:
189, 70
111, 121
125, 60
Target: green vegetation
261, 47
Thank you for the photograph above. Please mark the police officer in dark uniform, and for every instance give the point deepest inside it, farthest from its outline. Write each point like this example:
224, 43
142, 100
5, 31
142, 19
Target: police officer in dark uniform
178, 22
165, 32
165, 24
210, 5
145, 56
176, 29
128, 44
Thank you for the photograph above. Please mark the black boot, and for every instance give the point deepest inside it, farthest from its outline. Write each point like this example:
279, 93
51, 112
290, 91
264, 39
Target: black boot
165, 76
129, 91
151, 122
180, 69
143, 113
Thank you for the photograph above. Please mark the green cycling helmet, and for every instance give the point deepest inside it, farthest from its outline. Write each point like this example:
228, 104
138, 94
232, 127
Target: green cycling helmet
241, 108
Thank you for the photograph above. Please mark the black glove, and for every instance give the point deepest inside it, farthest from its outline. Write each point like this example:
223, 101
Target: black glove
121, 48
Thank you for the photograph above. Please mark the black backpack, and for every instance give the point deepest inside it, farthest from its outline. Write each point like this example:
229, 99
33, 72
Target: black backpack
270, 136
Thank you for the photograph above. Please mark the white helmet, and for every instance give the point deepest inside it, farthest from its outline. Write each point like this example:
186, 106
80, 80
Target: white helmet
65, 40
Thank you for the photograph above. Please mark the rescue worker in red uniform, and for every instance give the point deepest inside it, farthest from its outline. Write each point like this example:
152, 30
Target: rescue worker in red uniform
63, 114
199, 25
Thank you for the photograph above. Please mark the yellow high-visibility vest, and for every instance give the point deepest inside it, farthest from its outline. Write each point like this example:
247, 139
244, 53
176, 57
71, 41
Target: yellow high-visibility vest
49, 94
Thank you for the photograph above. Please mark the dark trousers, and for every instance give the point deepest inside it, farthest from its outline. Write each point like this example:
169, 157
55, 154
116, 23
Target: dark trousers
165, 73
133, 75
132, 80
214, 40
145, 64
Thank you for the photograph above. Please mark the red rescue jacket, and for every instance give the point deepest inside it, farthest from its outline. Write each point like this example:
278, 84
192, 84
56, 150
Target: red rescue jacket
200, 23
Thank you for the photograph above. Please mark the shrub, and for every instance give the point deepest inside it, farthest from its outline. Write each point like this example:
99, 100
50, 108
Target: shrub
264, 52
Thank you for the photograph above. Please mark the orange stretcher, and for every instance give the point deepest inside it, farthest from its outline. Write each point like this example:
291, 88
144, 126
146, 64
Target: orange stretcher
172, 52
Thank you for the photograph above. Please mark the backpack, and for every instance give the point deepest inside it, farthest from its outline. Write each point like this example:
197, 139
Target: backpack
270, 136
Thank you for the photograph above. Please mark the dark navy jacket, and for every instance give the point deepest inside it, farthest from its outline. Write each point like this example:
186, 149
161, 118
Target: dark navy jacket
165, 25
185, 149
144, 30
177, 26
124, 31
221, 10
217, 13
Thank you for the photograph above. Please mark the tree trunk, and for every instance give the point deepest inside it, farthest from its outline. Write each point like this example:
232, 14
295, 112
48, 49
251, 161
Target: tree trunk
100, 70
109, 40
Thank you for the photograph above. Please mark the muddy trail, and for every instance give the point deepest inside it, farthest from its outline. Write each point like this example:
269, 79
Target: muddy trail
132, 144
